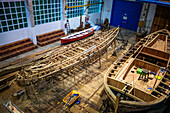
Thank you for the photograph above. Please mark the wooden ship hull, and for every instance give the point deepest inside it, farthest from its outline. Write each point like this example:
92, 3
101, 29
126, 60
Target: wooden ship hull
130, 91
77, 36
67, 58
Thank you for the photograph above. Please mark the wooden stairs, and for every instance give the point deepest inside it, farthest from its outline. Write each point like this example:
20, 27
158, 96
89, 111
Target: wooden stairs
16, 48
50, 37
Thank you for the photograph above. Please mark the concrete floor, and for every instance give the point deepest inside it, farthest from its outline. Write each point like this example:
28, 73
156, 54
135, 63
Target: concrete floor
57, 91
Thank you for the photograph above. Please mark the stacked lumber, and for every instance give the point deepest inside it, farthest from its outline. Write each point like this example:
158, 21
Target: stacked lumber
50, 37
16, 48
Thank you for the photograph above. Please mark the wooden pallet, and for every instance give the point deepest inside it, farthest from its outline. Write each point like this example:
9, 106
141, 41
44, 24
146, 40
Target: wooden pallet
16, 48
50, 37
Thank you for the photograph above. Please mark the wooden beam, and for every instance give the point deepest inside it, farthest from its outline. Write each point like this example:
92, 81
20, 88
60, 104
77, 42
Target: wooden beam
166, 79
157, 57
128, 94
82, 5
94, 92
166, 41
165, 84
168, 62
117, 102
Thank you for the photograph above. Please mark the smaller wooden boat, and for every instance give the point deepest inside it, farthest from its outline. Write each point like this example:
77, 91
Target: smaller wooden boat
77, 36
140, 80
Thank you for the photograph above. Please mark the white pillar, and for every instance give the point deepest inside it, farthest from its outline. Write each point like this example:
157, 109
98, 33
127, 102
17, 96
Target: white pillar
31, 24
63, 12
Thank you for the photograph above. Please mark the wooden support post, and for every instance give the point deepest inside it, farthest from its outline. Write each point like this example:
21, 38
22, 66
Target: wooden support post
106, 54
115, 43
63, 84
34, 92
74, 77
67, 71
61, 71
99, 61
26, 93
102, 93
155, 81
117, 102
86, 70
90, 58
112, 44
99, 58
52, 80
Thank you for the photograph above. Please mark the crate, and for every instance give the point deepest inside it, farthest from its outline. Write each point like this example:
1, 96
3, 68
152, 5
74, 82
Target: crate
68, 96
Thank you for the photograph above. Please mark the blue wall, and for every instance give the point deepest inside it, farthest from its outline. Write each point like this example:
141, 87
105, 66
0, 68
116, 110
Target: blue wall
126, 14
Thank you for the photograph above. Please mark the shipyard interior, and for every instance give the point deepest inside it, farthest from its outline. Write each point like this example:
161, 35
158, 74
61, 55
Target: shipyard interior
84, 56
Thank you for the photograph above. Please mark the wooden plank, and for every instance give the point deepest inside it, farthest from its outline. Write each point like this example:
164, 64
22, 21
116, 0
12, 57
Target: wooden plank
156, 52
154, 56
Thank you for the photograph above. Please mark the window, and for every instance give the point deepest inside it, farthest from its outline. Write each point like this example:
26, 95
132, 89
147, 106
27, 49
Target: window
94, 8
12, 16
75, 12
46, 11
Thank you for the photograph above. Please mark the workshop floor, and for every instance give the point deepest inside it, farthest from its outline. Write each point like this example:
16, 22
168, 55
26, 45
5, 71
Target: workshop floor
85, 81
